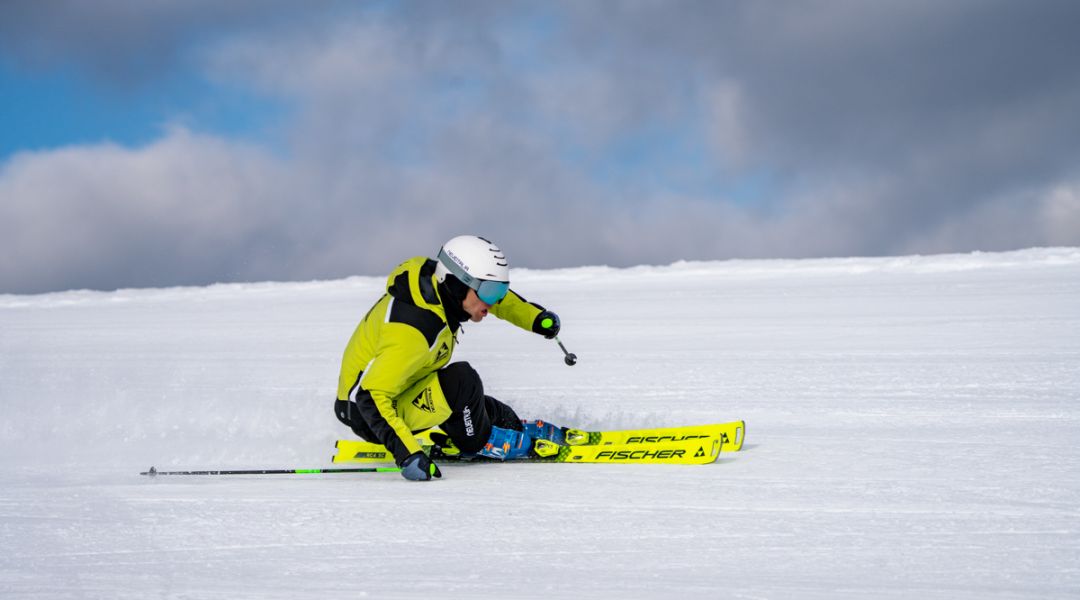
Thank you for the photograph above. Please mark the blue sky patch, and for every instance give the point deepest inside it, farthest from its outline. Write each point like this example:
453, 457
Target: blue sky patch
55, 108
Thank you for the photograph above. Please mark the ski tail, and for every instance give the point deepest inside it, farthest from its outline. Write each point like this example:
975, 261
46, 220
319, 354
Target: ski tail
358, 451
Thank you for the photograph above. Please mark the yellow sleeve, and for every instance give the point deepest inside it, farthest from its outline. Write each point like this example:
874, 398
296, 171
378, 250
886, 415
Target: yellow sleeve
515, 309
401, 353
351, 365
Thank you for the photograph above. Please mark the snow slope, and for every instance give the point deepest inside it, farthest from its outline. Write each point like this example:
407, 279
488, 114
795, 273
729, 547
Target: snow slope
912, 427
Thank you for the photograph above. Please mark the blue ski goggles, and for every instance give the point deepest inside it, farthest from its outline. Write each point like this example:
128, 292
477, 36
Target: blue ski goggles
487, 290
491, 291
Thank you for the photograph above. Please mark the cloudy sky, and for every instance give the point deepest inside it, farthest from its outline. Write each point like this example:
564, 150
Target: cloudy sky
190, 142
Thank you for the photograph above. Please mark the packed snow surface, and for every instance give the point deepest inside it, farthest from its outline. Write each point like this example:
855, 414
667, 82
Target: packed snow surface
912, 431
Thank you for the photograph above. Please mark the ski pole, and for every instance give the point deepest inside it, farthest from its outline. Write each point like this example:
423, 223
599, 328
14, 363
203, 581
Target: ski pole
571, 358
154, 472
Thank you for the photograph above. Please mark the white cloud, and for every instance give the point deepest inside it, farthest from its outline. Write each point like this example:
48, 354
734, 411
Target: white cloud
106, 215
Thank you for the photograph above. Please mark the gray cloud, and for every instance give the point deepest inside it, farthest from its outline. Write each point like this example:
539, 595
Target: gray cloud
124, 43
874, 129
945, 105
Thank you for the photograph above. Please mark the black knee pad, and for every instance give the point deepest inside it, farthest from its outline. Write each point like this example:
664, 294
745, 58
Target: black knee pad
346, 412
341, 411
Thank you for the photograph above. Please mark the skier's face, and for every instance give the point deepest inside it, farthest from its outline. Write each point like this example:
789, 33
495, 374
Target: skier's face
476, 307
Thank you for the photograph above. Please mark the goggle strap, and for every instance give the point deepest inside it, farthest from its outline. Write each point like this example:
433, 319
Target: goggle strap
456, 270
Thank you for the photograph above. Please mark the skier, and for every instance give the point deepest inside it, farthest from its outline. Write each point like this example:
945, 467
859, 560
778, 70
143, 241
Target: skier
396, 377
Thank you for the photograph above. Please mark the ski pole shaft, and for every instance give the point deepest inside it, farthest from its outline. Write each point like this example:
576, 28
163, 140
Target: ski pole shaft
154, 472
570, 358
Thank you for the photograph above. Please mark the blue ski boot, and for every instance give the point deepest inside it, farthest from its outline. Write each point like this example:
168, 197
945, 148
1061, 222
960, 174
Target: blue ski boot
563, 436
503, 444
542, 430
507, 444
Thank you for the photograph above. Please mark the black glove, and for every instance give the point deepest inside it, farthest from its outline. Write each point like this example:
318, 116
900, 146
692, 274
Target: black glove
418, 467
546, 324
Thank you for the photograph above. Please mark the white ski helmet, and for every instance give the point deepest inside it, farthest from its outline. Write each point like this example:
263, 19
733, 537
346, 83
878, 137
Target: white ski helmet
478, 263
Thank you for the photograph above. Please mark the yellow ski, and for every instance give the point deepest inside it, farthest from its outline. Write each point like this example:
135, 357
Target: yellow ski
696, 450
732, 434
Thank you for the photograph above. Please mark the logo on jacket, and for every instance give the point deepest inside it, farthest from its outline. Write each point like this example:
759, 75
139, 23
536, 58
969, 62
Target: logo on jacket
443, 352
424, 402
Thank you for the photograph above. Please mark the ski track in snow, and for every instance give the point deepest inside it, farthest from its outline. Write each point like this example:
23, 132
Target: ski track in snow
911, 432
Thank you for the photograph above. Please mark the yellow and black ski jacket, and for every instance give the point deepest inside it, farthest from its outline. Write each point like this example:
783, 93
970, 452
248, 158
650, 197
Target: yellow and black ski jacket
403, 339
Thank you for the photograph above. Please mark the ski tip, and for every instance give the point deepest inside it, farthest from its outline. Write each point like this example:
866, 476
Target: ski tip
151, 472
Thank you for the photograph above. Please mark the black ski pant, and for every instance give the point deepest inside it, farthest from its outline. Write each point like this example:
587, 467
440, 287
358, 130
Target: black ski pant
472, 416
